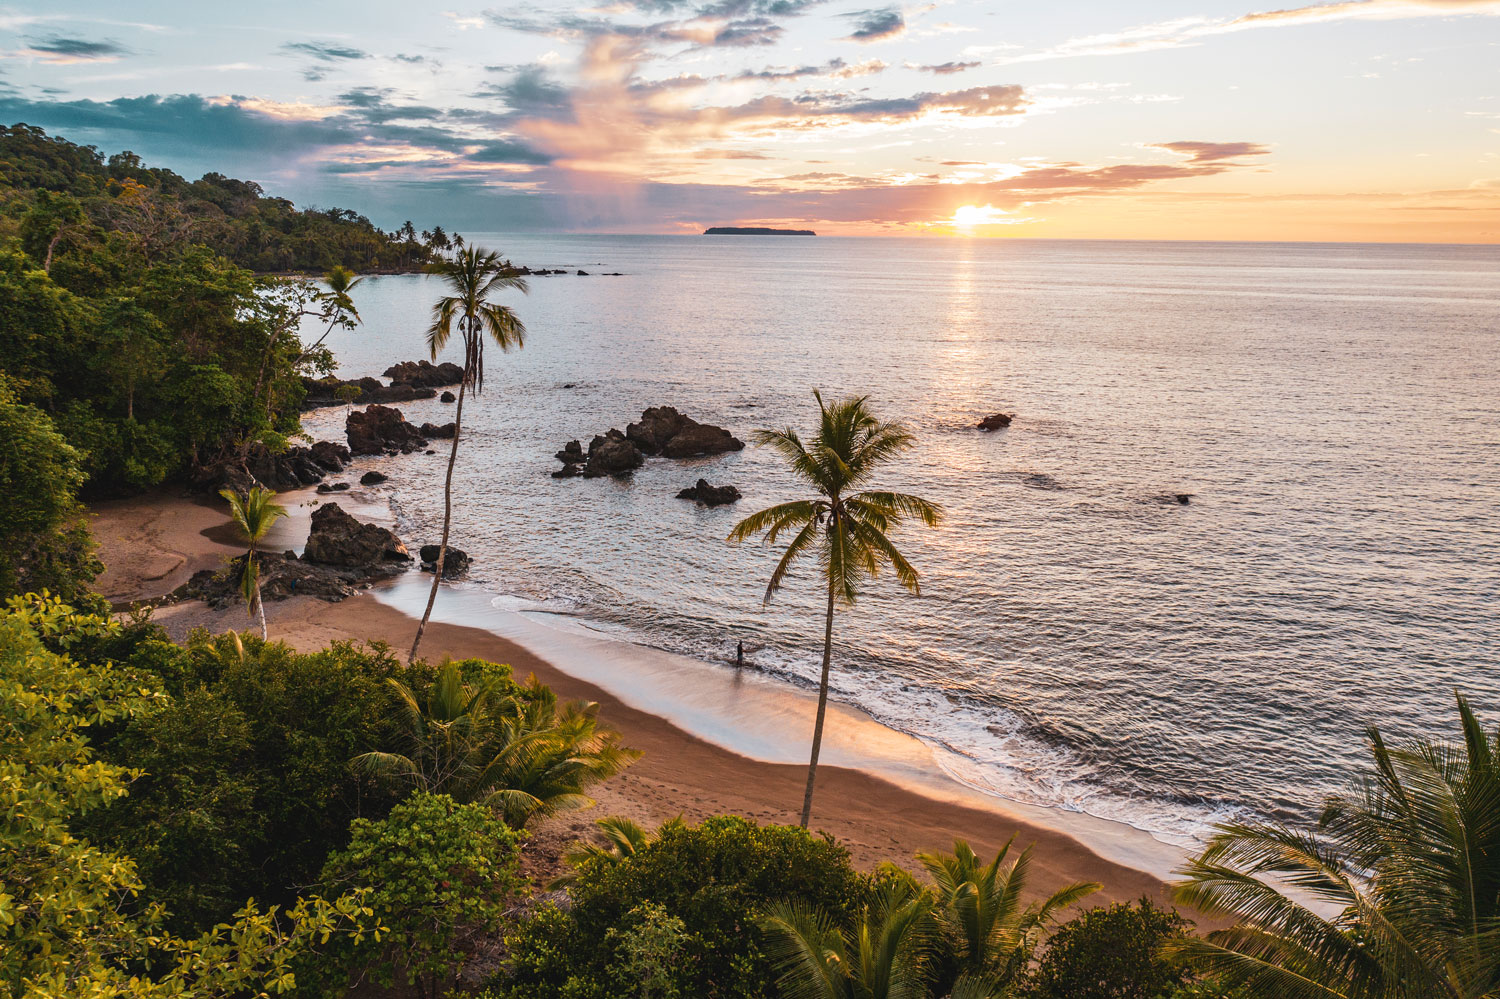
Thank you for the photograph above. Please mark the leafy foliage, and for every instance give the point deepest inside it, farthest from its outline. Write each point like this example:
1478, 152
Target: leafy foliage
715, 877
513, 749
1408, 862
1111, 952
73, 920
43, 541
434, 872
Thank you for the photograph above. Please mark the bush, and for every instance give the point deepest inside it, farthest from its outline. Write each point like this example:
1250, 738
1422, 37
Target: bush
436, 874
247, 785
714, 878
1111, 952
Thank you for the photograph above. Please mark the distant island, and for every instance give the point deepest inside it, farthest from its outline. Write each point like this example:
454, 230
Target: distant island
735, 230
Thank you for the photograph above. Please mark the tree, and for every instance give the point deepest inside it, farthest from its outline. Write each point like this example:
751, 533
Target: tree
254, 514
1112, 952
519, 753
472, 276
886, 954
989, 928
44, 543
73, 921
847, 532
435, 873
1407, 862
622, 838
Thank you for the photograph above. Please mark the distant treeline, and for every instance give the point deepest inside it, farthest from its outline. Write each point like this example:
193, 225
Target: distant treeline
234, 218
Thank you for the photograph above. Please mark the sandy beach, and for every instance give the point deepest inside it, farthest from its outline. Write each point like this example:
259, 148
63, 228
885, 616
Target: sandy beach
154, 543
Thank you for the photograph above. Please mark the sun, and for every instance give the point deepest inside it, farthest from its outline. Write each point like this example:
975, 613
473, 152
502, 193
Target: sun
968, 216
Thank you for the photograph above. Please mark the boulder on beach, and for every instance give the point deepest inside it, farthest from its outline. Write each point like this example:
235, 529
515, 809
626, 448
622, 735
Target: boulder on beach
996, 421
333, 487
339, 539
665, 431
455, 560
372, 478
707, 495
424, 374
381, 430
282, 575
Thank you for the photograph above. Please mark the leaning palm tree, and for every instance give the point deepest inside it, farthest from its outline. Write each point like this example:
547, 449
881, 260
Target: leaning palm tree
253, 514
1393, 894
846, 530
886, 954
522, 754
473, 274
989, 927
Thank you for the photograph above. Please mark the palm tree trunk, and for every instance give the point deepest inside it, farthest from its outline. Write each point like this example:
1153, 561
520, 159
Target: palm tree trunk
442, 559
817, 742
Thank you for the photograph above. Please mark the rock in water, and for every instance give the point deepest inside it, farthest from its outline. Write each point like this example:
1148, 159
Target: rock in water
447, 397
455, 562
567, 471
372, 479
330, 455
708, 495
424, 374
444, 432
336, 487
665, 431
996, 421
338, 539
572, 454
381, 430
612, 454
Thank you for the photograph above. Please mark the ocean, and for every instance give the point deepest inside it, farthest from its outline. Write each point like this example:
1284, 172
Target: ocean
1082, 639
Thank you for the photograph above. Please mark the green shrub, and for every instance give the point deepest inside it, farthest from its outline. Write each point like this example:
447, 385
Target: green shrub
437, 874
1111, 952
714, 877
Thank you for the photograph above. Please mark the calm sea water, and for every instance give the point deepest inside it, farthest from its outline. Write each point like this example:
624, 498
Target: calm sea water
1333, 409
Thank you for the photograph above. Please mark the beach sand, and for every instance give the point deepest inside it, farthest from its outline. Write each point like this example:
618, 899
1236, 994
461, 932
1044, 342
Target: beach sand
152, 544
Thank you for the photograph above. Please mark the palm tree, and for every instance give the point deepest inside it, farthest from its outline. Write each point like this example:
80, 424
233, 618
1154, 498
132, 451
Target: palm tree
521, 754
847, 531
473, 274
253, 514
885, 955
1393, 894
623, 838
990, 930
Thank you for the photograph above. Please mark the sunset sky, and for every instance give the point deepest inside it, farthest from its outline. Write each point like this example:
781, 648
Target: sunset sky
1369, 120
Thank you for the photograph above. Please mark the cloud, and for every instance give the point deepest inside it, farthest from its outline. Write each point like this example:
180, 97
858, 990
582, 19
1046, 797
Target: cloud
834, 69
1213, 152
62, 50
945, 68
325, 53
1189, 30
876, 25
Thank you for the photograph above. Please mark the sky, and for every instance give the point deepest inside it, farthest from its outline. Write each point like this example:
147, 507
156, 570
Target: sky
1354, 120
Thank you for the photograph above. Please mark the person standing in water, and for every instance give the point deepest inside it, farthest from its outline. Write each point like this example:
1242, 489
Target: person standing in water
739, 654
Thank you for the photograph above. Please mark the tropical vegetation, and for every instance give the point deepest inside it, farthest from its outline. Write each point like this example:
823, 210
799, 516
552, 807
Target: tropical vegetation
472, 275
845, 528
254, 514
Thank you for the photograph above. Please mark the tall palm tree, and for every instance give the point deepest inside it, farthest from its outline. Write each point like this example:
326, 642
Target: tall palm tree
847, 531
521, 754
1407, 863
884, 955
990, 929
472, 275
253, 514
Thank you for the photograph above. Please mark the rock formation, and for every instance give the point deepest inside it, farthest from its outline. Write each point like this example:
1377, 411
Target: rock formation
381, 430
707, 495
455, 561
996, 421
339, 539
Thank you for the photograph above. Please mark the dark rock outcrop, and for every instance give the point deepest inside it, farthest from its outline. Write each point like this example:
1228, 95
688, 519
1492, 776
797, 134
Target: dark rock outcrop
572, 453
612, 454
339, 539
381, 430
335, 487
665, 431
330, 455
996, 421
424, 374
294, 468
708, 495
372, 479
332, 391
455, 560
447, 397
442, 432
568, 471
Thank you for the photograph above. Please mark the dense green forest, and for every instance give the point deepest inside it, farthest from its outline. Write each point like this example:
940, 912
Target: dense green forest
139, 342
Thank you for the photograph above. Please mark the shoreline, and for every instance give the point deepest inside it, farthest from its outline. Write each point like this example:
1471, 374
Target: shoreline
715, 739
